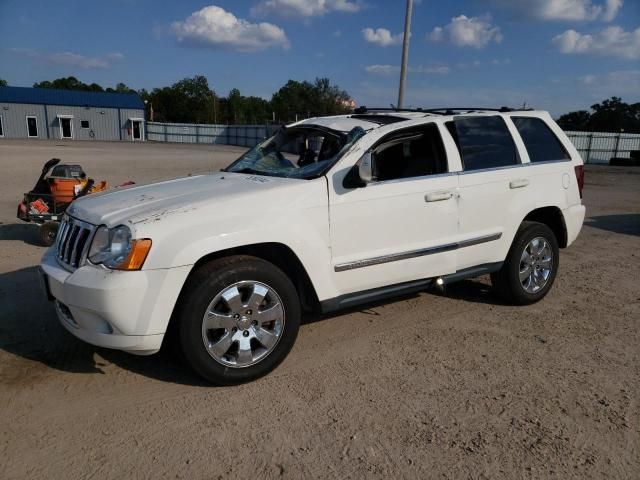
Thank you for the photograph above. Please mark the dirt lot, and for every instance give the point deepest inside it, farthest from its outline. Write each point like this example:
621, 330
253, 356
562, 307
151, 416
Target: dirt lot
452, 385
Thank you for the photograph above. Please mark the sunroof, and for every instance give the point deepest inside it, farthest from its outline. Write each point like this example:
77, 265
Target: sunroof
379, 119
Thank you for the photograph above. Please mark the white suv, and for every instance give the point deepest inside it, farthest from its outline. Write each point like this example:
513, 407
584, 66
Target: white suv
328, 213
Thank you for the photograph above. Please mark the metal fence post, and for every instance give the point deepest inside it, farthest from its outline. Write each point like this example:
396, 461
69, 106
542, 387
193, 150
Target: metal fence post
166, 138
615, 155
589, 148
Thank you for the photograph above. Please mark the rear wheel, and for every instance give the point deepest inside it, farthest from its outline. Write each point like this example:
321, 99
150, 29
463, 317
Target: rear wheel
238, 320
531, 265
48, 232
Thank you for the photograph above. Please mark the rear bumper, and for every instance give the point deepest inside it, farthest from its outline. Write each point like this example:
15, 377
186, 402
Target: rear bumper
127, 311
573, 220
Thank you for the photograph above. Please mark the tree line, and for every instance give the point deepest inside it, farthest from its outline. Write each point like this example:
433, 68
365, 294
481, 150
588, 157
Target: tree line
191, 100
612, 115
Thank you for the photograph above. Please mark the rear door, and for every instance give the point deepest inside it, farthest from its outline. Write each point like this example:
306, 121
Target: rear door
493, 186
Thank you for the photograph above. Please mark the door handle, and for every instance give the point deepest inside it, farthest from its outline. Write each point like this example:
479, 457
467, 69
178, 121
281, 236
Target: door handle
523, 182
437, 196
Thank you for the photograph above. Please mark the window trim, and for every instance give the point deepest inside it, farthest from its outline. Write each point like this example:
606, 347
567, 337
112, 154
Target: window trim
37, 135
456, 141
399, 133
548, 127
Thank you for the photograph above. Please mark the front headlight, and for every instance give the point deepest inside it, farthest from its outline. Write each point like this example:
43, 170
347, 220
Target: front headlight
114, 248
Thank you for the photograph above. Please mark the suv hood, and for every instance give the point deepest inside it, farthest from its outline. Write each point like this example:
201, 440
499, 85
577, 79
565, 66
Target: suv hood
139, 204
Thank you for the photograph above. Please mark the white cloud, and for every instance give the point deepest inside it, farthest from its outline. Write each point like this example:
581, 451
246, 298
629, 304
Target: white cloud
612, 41
394, 69
564, 10
463, 31
70, 59
216, 28
382, 37
304, 8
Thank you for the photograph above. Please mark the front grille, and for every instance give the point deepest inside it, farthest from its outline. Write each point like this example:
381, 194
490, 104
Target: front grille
72, 242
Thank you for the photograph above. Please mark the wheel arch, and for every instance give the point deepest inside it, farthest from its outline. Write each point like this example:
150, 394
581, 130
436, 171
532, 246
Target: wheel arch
553, 218
279, 254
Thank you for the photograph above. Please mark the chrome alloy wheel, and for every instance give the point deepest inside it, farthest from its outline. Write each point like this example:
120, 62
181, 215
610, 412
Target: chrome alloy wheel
243, 324
536, 263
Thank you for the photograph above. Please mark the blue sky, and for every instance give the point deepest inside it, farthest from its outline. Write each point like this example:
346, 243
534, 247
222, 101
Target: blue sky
557, 55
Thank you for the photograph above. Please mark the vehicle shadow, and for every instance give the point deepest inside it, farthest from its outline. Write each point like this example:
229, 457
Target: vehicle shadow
27, 232
29, 328
626, 223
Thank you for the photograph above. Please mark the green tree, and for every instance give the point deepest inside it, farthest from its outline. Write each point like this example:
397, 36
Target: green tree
575, 120
306, 99
611, 115
3, 82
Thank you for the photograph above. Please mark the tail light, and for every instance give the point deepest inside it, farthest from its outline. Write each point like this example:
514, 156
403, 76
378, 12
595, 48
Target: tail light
580, 178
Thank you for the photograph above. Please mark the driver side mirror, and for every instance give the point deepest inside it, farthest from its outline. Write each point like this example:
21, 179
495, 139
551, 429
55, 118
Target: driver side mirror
365, 170
361, 173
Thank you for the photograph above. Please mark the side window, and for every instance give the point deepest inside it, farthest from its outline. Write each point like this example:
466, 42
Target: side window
484, 142
542, 144
410, 153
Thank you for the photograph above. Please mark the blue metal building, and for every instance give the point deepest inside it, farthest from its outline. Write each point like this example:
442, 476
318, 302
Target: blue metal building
46, 113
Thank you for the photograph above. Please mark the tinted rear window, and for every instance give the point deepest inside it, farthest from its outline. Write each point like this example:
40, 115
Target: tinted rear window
484, 142
542, 144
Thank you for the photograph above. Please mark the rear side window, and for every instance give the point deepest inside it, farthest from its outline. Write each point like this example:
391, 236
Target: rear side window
484, 142
542, 144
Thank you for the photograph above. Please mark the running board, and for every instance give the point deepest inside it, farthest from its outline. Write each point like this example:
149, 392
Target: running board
383, 293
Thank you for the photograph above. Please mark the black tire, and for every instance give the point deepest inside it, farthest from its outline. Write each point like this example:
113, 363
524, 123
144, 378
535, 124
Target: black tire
48, 232
202, 288
506, 282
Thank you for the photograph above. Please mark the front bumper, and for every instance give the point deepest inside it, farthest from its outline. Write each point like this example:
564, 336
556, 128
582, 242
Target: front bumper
127, 311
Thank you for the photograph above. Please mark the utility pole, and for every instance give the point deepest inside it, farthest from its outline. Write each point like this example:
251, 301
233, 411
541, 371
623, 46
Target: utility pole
405, 53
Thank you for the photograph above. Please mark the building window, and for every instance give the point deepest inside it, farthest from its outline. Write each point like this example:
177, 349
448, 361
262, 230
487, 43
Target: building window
1, 127
32, 126
84, 123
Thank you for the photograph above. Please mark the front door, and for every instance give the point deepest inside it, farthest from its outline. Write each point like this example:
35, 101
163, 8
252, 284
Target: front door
137, 129
400, 227
66, 128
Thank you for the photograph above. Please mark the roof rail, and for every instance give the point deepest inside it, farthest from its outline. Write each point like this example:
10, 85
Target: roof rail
452, 110
439, 111
364, 109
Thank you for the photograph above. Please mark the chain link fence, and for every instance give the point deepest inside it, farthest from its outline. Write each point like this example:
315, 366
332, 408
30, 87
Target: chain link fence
595, 147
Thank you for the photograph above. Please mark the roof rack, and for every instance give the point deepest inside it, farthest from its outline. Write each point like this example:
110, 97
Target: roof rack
364, 109
453, 110
440, 111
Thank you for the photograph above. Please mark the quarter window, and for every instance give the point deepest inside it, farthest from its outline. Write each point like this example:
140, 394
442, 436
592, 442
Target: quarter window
410, 153
542, 144
483, 142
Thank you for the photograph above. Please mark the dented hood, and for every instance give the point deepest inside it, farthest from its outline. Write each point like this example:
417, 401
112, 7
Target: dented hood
137, 204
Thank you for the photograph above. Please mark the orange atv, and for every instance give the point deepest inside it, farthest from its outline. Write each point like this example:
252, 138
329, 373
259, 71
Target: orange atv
51, 196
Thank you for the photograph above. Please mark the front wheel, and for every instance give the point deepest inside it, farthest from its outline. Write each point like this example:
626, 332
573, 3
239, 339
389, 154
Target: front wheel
238, 319
531, 265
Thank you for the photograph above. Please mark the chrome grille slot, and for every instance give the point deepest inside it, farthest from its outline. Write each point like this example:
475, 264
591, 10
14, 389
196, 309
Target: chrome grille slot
72, 244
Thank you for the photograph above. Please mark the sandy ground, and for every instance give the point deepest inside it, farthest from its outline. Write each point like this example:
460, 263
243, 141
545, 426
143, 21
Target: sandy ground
452, 385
